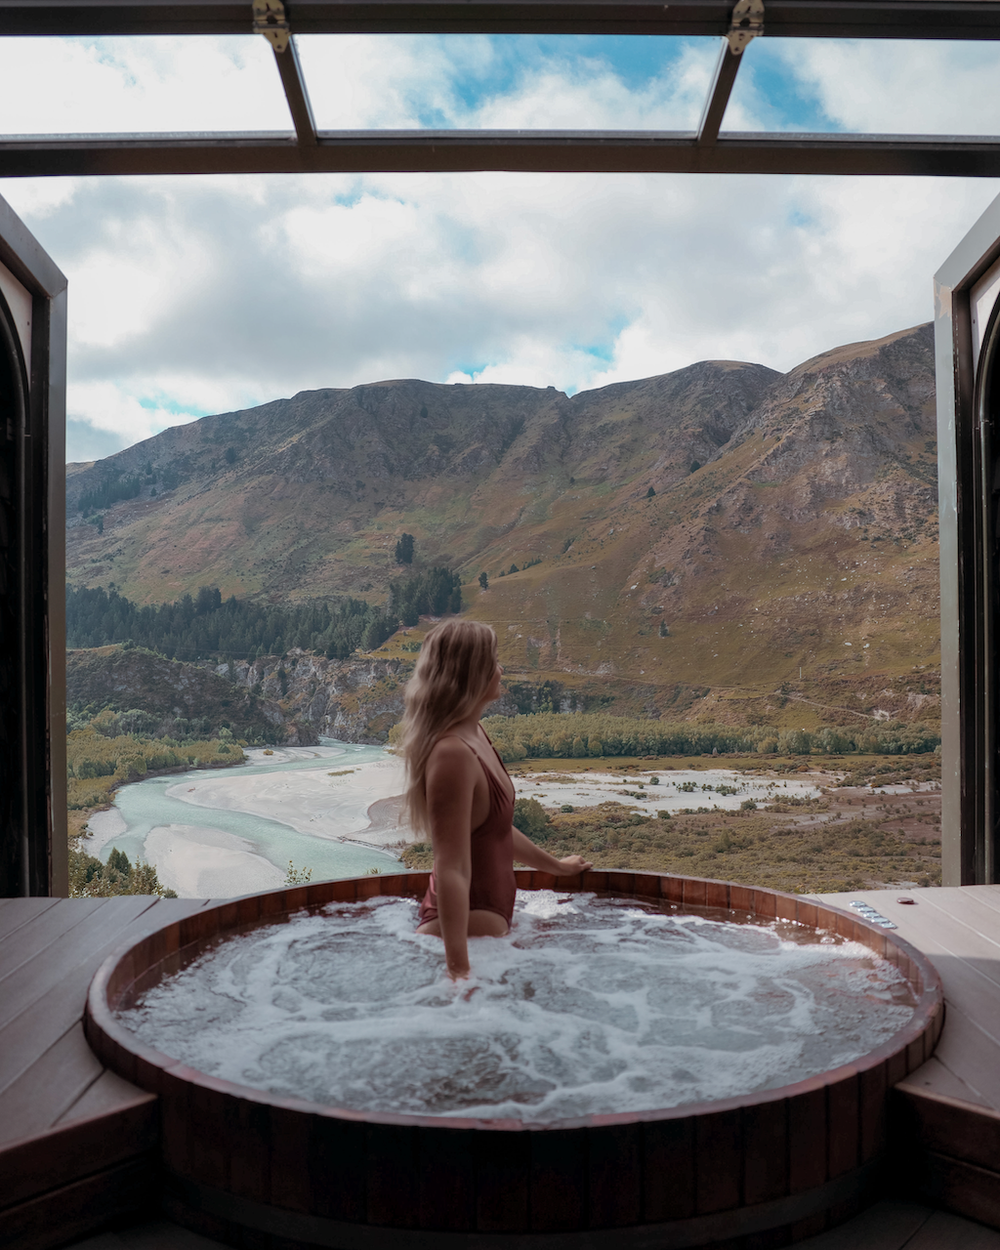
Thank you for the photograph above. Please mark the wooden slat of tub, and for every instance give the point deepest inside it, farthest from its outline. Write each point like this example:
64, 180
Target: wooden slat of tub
558, 1180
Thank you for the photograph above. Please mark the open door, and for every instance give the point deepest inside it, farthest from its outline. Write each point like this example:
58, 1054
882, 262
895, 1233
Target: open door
33, 851
967, 345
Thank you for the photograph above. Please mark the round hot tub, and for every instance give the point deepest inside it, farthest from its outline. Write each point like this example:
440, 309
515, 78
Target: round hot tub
768, 1168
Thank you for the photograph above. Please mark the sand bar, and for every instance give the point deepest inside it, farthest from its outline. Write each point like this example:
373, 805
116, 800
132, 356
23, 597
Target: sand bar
103, 827
200, 862
333, 805
667, 793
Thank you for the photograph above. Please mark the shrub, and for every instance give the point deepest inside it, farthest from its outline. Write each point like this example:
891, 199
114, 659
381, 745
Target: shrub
532, 819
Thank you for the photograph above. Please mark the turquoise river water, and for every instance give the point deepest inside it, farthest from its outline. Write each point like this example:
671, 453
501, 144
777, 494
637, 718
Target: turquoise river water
145, 805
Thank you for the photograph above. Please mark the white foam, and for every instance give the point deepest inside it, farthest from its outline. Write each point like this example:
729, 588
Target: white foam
588, 1006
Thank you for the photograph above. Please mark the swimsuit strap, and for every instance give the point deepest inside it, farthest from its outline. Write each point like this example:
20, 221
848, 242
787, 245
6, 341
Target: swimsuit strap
490, 774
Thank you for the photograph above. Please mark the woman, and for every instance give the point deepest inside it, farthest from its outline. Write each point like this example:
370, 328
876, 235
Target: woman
459, 791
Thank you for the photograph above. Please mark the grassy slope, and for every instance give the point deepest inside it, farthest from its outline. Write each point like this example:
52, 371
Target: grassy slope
811, 525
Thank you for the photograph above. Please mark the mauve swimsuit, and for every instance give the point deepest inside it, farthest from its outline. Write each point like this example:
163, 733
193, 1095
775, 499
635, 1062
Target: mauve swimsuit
492, 887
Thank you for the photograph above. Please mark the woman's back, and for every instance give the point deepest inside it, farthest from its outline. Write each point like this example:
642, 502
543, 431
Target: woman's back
492, 887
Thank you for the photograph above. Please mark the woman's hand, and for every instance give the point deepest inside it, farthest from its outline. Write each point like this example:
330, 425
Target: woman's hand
573, 864
526, 852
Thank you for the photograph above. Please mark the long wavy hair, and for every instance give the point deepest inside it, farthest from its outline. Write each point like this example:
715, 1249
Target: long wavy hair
453, 671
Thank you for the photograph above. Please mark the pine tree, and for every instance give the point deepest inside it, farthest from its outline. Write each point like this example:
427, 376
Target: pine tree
404, 549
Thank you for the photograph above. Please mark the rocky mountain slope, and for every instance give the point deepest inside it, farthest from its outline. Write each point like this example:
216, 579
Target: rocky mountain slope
765, 538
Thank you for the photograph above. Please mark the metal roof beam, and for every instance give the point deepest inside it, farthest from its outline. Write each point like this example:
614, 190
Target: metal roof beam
270, 19
451, 150
873, 19
296, 93
726, 69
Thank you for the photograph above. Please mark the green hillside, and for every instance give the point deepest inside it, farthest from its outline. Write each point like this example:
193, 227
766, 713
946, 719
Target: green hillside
756, 547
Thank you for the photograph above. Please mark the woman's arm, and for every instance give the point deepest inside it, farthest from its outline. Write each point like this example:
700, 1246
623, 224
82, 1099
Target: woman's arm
526, 852
451, 781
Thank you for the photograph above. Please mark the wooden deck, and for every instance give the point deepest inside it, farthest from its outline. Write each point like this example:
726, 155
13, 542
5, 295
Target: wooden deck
947, 1113
959, 929
886, 1226
78, 1144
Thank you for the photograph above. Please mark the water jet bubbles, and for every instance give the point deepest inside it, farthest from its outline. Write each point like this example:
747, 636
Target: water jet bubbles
589, 1005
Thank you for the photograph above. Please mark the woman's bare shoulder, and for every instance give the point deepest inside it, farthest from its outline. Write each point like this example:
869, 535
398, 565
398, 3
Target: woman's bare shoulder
452, 763
451, 750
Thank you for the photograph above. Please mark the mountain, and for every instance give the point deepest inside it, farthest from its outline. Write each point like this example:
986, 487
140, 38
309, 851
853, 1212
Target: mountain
708, 532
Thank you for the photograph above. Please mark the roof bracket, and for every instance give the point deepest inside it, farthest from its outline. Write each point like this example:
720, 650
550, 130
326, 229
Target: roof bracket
747, 21
271, 21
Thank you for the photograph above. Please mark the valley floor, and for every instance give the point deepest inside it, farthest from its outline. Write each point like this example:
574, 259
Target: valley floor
832, 823
804, 825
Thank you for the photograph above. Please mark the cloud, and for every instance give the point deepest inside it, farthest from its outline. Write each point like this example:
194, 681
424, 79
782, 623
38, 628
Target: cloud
84, 442
107, 406
900, 86
70, 86
199, 294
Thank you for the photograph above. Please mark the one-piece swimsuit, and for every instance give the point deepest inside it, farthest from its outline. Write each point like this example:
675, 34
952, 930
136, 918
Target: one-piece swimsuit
492, 887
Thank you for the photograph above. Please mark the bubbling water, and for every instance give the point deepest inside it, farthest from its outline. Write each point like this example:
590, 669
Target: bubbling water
589, 1005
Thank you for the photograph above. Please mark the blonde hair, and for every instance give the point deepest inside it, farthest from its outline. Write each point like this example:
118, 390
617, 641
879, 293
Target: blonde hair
452, 674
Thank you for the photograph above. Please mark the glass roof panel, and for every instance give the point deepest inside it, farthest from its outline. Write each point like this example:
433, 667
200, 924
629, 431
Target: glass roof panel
183, 83
507, 82
870, 86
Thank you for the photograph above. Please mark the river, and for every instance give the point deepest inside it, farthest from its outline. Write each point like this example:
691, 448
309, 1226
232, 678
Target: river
224, 832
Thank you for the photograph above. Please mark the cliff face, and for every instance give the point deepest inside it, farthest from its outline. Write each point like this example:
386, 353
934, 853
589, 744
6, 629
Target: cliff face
185, 698
355, 701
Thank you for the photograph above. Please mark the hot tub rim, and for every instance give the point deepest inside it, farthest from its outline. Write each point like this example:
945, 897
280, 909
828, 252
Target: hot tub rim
146, 1066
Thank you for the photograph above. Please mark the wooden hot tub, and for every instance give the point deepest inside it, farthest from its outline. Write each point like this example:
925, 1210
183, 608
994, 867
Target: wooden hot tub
763, 1170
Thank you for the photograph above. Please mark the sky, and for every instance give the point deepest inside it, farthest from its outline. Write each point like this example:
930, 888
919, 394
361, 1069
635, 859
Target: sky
196, 295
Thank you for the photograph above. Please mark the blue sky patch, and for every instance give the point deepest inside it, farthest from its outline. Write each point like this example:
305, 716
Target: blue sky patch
768, 87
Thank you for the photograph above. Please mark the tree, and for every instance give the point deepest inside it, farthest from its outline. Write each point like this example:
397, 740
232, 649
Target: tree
119, 861
695, 466
484, 581
664, 630
513, 569
230, 455
531, 818
650, 493
404, 549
